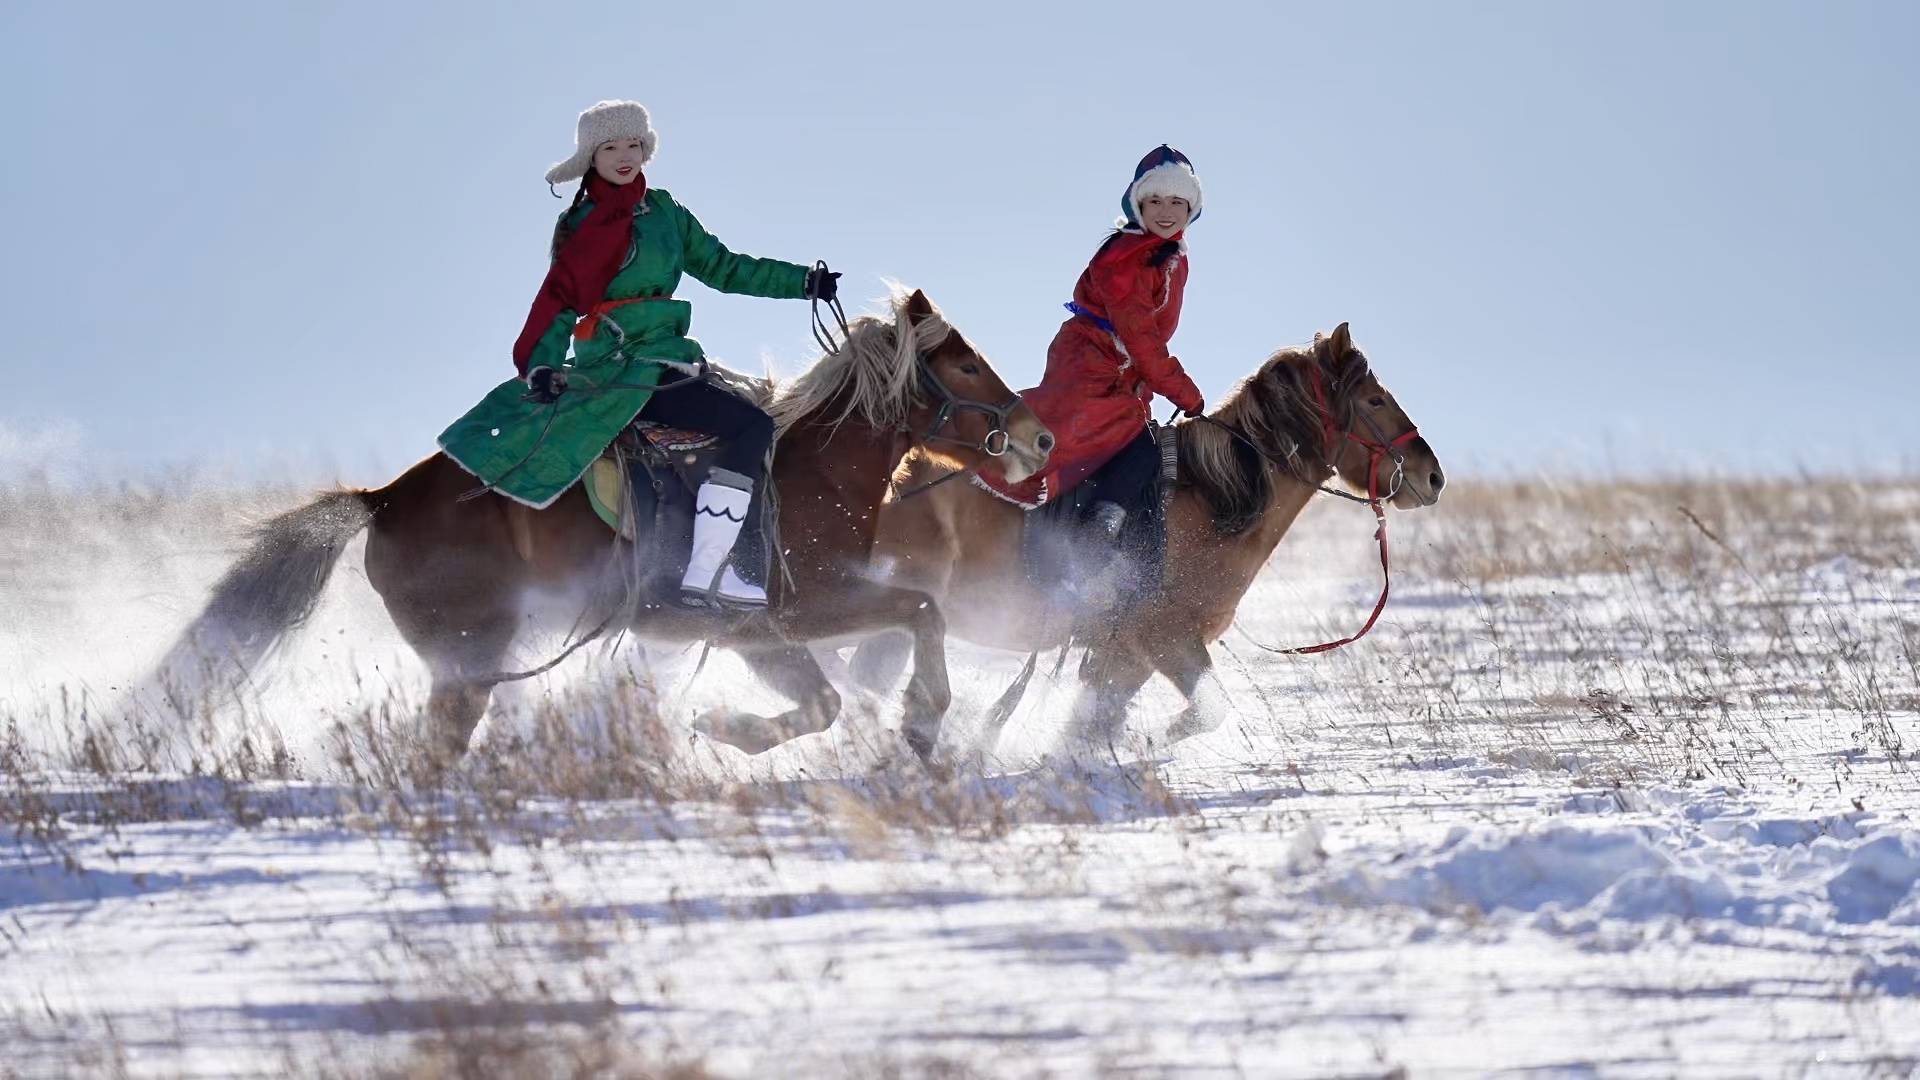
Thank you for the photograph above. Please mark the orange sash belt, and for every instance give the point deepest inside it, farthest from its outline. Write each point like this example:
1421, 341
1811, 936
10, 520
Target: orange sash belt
589, 322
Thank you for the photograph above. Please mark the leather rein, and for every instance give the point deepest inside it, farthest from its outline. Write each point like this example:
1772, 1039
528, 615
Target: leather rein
1377, 447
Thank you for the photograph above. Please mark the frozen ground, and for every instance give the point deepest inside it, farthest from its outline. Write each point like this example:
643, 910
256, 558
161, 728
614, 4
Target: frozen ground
1622, 786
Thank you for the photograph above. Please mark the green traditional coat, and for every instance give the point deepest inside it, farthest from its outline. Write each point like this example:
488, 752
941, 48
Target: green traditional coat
532, 452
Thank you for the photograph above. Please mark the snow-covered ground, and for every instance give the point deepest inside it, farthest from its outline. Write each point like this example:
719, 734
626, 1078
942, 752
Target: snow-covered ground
1621, 786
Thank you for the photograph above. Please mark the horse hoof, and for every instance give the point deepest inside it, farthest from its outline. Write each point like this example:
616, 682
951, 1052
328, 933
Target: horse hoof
1188, 725
921, 743
742, 731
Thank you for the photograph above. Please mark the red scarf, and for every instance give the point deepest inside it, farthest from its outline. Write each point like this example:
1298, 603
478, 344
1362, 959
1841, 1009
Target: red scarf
586, 264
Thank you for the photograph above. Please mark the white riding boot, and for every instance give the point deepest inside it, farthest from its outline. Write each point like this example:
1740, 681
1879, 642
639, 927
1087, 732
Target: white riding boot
719, 509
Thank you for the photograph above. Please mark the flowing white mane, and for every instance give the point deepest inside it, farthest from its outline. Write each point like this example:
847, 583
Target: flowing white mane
872, 376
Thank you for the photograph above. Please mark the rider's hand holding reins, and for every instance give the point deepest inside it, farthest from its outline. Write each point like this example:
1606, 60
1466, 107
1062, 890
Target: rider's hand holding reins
822, 283
545, 385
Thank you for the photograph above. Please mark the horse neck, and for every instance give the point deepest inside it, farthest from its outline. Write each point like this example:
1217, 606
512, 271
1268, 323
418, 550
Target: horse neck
1291, 494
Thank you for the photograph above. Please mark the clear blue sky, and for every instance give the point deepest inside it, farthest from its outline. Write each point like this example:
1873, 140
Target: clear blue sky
1572, 236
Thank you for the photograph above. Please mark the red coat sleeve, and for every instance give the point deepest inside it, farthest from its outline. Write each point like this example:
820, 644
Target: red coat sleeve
1130, 286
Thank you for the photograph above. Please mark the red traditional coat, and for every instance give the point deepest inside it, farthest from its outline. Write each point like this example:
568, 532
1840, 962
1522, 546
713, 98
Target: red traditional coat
1097, 394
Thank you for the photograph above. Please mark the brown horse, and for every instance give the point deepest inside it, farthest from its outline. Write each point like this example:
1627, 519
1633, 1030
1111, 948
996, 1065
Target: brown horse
456, 574
1245, 474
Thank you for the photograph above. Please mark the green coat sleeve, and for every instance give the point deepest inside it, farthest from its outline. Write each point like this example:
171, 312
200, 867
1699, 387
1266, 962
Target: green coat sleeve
712, 265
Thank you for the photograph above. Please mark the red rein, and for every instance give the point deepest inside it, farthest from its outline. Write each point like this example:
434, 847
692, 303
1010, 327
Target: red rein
1376, 451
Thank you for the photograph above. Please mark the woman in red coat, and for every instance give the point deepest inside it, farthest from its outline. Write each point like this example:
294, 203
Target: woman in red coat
1110, 358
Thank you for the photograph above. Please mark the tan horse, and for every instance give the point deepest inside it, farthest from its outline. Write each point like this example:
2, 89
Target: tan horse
456, 572
1244, 477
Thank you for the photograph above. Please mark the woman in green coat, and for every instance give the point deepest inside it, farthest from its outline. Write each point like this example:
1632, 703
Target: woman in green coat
618, 254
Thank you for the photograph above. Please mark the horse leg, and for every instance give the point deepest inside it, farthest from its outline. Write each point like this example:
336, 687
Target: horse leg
1113, 672
1185, 661
461, 648
861, 607
924, 551
459, 697
454, 709
792, 670
879, 661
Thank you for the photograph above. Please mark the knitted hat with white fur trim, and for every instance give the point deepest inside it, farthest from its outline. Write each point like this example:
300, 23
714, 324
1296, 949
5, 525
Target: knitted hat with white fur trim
1165, 172
605, 122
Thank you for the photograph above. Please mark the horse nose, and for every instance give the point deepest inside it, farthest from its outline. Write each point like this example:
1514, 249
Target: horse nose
1044, 442
1435, 482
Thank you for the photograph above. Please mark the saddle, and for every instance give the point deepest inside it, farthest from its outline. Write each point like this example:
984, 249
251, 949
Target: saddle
643, 487
1071, 547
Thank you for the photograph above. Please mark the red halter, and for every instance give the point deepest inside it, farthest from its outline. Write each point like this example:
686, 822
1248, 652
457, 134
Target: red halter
1377, 447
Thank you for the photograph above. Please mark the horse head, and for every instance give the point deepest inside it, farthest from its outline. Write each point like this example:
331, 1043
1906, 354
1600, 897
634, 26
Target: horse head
1312, 412
965, 412
912, 372
1365, 435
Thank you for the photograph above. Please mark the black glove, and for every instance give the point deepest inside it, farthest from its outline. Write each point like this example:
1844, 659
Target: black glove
1198, 410
545, 385
822, 283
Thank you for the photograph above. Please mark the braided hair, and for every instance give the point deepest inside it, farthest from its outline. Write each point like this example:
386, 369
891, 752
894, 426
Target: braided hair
562, 231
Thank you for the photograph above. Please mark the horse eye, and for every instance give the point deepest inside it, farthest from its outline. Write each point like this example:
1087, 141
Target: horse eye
1377, 401
970, 369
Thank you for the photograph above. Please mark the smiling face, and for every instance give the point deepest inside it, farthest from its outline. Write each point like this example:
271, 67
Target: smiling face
618, 161
1164, 215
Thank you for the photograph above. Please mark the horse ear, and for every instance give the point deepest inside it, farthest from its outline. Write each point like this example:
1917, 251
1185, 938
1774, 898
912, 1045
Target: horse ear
1342, 341
918, 306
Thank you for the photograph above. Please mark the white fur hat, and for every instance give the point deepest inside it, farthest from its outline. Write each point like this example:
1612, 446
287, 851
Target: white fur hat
1165, 172
605, 122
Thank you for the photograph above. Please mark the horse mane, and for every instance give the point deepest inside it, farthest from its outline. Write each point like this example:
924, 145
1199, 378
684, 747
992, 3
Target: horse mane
1276, 409
873, 375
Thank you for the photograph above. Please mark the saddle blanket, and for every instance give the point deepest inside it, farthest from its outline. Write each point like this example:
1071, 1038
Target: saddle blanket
643, 488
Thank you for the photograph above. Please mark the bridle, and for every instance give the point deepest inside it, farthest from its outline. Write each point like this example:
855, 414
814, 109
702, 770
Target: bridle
1379, 446
997, 439
993, 444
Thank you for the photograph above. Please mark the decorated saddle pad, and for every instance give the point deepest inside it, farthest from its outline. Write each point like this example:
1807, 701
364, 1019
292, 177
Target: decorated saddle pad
675, 440
644, 486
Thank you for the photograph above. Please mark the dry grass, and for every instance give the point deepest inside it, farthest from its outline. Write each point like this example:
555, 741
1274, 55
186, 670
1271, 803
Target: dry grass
1706, 529
1715, 613
1632, 621
1717, 608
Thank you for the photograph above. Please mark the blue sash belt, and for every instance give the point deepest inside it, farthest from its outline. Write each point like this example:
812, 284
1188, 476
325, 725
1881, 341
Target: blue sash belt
1085, 314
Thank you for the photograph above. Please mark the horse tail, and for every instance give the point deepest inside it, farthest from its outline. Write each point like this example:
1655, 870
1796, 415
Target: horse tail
274, 586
